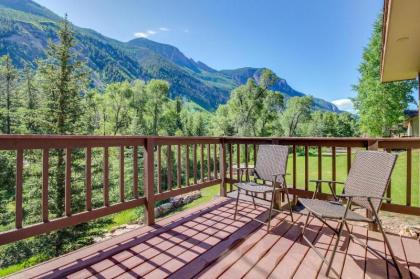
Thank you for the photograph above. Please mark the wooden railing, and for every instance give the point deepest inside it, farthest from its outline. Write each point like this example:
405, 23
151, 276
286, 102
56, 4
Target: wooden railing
163, 167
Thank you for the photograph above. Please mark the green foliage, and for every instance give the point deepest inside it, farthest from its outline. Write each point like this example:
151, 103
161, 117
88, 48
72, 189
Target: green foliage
251, 108
380, 105
9, 100
297, 111
329, 124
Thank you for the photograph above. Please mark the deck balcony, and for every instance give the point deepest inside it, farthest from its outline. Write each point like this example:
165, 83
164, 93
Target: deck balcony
206, 241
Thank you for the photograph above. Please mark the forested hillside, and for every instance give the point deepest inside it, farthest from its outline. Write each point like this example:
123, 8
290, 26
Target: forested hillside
26, 27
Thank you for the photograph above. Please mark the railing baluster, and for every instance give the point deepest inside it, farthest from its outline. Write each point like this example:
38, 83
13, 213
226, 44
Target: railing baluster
246, 162
169, 166
135, 172
88, 172
230, 167
348, 159
159, 168
67, 192
388, 190
195, 162
122, 194
19, 188
231, 161
238, 161
208, 163
202, 163
178, 167
320, 165
187, 164
215, 161
409, 164
106, 177
306, 167
294, 167
334, 167
223, 169
44, 195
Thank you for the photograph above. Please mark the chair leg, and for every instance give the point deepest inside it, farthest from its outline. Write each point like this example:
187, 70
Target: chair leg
290, 206
236, 205
306, 223
253, 200
270, 210
335, 248
389, 248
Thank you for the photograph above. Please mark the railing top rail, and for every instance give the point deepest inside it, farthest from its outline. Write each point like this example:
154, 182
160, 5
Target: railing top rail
13, 142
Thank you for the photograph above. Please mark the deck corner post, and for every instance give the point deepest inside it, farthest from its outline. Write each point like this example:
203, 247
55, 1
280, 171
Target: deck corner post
223, 167
149, 182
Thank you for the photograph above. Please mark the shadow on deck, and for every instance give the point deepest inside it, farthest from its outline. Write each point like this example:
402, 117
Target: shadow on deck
206, 242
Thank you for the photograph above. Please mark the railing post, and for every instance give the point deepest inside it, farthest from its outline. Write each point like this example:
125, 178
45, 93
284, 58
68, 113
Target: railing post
149, 182
279, 198
373, 146
223, 167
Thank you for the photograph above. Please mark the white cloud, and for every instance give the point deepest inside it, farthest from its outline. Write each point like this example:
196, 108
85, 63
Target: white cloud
150, 32
344, 104
144, 34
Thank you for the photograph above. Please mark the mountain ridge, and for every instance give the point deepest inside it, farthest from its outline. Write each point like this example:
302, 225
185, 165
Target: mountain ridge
26, 27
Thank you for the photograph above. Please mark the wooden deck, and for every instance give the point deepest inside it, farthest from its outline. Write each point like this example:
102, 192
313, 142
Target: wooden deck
206, 242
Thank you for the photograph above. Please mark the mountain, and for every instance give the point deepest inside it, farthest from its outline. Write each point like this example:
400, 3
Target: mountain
26, 27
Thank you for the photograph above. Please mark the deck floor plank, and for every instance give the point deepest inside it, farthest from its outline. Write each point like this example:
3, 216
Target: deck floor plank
247, 261
398, 249
413, 255
187, 235
213, 238
288, 263
285, 232
311, 263
340, 255
375, 266
355, 261
236, 253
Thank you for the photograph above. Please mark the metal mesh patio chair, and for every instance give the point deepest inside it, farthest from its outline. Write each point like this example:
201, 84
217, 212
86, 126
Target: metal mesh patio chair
365, 186
270, 167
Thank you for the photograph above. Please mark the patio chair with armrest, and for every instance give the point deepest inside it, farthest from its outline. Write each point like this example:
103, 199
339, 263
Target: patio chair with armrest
270, 167
365, 187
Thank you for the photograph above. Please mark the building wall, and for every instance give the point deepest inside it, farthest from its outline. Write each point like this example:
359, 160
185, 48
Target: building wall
413, 127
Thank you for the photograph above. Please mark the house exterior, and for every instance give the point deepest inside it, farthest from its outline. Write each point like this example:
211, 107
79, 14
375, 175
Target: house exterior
400, 47
412, 123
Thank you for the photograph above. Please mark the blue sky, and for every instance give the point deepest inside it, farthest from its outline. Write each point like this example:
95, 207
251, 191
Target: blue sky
315, 45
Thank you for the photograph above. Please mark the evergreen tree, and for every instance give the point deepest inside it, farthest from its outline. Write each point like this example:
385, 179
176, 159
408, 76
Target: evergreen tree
63, 79
31, 104
8, 93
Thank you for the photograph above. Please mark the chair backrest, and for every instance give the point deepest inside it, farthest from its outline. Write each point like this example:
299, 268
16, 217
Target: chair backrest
369, 176
271, 159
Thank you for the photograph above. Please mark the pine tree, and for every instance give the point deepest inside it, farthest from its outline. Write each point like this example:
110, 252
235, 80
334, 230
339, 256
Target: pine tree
63, 79
8, 93
31, 102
